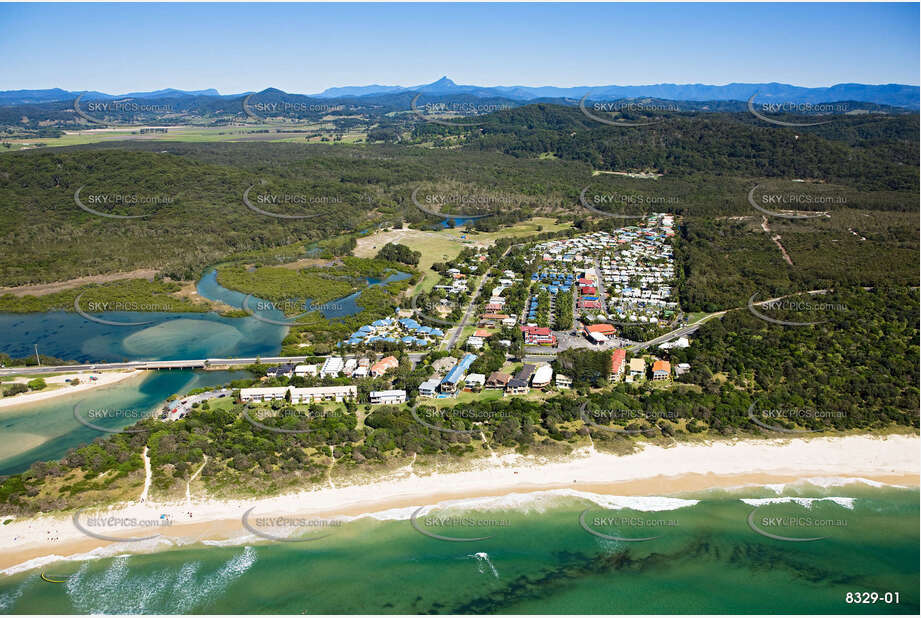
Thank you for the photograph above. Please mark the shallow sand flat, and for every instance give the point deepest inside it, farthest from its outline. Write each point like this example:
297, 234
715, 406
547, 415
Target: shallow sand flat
104, 379
653, 471
16, 442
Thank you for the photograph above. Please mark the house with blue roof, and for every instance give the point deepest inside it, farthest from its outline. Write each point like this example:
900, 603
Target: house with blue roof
456, 375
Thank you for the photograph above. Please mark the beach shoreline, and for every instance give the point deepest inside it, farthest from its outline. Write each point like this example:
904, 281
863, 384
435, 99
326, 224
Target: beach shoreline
104, 378
654, 471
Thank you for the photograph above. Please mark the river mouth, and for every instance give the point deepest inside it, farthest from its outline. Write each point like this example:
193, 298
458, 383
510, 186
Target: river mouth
165, 336
46, 430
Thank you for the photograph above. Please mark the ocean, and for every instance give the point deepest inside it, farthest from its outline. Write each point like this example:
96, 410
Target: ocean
740, 550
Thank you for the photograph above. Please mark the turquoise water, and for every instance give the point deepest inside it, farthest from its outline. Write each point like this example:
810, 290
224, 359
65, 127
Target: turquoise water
347, 305
460, 221
45, 430
539, 560
170, 336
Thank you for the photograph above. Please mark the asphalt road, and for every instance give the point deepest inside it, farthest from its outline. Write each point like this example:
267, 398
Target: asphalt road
181, 364
471, 306
180, 407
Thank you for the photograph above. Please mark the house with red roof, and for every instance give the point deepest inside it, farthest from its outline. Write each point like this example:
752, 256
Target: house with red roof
537, 335
617, 364
661, 370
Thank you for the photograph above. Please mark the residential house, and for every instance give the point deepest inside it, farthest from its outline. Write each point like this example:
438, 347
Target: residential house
617, 364
387, 397
474, 343
444, 364
324, 393
332, 367
302, 371
271, 393
542, 376
475, 381
384, 365
280, 371
300, 395
451, 381
520, 384
536, 335
661, 370
429, 388
637, 368
563, 382
497, 380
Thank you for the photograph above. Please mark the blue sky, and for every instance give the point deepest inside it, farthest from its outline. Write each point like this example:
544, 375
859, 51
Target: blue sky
306, 48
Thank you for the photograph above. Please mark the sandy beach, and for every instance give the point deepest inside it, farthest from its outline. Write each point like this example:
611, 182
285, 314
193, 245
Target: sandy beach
106, 378
654, 471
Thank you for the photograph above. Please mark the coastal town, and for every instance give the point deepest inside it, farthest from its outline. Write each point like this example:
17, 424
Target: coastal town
579, 293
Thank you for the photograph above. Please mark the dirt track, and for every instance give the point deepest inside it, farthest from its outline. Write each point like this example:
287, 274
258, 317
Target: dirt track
40, 289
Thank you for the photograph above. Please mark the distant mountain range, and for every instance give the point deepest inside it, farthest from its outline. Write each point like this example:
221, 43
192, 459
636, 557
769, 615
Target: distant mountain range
23, 97
886, 94
899, 95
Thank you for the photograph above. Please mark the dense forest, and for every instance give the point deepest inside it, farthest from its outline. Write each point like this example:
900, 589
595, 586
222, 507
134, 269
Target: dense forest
869, 153
202, 218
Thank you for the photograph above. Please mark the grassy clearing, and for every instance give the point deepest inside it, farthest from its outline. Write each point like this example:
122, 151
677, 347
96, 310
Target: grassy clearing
190, 133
